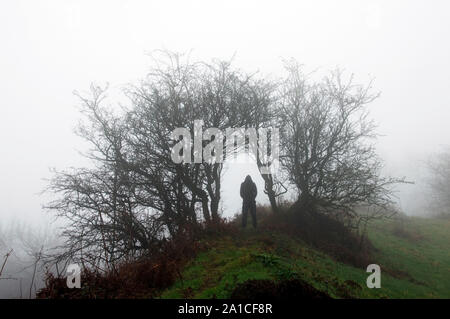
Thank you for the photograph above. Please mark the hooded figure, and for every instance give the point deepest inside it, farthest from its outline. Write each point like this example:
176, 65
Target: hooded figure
248, 194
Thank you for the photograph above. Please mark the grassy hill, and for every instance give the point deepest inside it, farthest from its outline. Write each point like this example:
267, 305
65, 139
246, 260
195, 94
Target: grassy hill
288, 256
414, 255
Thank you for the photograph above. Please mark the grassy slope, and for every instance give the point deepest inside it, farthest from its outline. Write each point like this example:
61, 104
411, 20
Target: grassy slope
419, 259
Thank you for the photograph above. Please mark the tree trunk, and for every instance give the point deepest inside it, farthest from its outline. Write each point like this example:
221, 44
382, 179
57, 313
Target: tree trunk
303, 204
268, 189
268, 185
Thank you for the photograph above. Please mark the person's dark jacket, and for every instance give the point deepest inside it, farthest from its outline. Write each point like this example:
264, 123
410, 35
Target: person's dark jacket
248, 190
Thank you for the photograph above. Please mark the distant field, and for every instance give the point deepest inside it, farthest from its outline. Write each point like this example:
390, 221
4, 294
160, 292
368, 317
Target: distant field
414, 255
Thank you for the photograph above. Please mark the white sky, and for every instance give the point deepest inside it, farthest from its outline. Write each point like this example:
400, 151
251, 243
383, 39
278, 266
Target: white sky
50, 48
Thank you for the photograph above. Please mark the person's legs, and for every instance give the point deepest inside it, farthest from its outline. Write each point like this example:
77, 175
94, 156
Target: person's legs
253, 213
244, 214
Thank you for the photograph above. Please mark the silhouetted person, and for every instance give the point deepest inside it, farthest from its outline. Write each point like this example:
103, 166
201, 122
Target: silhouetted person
248, 194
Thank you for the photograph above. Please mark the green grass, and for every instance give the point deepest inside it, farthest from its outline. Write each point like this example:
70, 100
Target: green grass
424, 254
414, 264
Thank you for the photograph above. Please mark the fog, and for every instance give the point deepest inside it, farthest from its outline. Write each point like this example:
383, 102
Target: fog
50, 48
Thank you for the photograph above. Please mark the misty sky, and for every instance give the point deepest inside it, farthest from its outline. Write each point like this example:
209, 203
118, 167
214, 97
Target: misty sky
50, 48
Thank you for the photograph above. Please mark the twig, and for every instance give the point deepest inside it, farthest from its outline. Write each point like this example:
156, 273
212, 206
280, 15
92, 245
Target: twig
4, 262
38, 257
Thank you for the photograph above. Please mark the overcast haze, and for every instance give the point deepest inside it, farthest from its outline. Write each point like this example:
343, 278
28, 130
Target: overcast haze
50, 48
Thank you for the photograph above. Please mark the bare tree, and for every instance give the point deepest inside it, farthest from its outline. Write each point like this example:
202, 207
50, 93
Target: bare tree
176, 94
5, 260
106, 222
264, 118
135, 194
439, 183
326, 144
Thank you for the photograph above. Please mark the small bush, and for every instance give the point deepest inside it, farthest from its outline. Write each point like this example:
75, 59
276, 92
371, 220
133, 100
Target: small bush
321, 231
142, 278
